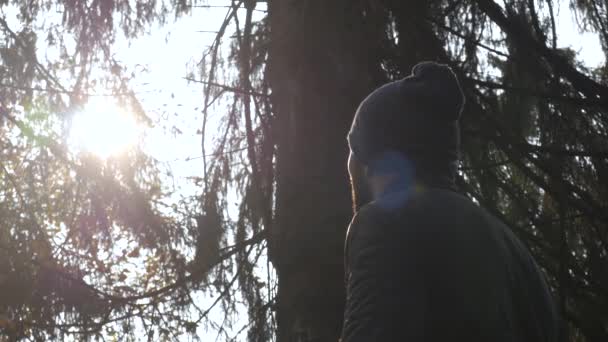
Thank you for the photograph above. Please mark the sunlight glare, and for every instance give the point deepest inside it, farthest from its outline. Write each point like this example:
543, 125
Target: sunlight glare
103, 129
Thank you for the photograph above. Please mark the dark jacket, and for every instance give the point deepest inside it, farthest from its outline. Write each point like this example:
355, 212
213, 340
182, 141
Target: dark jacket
440, 268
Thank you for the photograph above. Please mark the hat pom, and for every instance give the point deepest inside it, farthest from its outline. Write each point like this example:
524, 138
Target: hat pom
434, 88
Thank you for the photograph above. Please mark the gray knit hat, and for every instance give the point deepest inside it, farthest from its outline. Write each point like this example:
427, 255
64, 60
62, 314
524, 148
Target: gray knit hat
417, 115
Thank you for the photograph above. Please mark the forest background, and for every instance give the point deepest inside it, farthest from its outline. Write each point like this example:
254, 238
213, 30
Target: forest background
175, 170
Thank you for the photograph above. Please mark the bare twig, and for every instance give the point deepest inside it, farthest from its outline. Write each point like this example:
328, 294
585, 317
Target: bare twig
226, 88
211, 82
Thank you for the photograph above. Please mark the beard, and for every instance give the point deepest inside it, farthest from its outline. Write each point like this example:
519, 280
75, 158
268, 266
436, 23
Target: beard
361, 193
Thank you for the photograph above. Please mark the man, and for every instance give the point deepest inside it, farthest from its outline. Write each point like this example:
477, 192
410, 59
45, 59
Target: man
424, 263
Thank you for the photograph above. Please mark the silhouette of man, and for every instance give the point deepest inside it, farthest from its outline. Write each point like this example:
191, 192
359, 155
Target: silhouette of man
424, 263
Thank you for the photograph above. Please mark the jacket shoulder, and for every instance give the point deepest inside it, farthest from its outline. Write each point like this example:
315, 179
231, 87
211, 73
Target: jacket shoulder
429, 221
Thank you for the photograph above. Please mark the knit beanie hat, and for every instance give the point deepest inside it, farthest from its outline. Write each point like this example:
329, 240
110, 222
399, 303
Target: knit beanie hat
417, 115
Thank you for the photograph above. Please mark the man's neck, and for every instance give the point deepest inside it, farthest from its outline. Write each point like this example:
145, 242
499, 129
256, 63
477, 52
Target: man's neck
394, 176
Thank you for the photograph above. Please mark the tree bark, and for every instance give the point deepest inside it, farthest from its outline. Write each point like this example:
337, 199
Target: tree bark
320, 67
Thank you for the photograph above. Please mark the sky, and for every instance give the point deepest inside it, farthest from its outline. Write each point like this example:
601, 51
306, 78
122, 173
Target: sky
586, 44
161, 60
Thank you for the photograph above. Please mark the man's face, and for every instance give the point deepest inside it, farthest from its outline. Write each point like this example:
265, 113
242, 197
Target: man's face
361, 191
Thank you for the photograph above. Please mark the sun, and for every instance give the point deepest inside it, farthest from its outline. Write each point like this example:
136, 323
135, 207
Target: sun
103, 128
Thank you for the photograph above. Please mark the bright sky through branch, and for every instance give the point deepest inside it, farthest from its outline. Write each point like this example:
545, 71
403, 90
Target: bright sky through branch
103, 129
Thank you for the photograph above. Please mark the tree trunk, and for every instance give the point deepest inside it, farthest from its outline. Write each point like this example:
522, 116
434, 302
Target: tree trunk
320, 67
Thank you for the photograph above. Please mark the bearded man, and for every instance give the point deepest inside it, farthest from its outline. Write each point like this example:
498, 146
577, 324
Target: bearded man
424, 263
